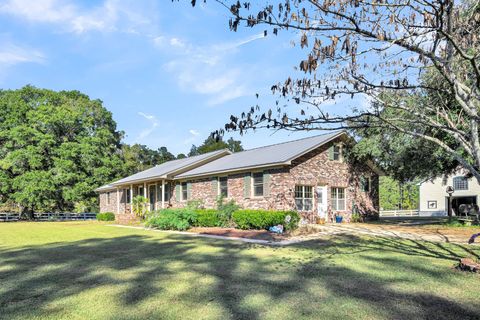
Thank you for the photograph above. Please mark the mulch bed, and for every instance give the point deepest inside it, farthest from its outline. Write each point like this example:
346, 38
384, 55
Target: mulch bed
237, 233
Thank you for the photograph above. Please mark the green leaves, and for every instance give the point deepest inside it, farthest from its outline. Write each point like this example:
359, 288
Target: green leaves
55, 149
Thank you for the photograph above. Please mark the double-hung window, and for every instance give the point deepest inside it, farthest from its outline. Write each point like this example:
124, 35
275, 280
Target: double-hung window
184, 191
223, 186
108, 198
304, 198
338, 199
365, 184
258, 184
127, 195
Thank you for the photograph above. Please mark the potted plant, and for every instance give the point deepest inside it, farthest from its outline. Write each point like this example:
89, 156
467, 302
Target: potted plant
338, 218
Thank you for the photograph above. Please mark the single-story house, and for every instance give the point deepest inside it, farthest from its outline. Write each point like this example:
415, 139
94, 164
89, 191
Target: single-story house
433, 196
308, 175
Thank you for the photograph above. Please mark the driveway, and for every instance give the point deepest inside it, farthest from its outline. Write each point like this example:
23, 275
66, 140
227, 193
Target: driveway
436, 233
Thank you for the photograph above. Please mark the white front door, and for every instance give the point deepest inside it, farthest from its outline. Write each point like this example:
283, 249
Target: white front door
322, 204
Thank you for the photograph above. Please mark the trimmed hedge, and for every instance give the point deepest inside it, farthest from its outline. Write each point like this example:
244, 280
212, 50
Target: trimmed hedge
263, 219
172, 219
106, 216
207, 218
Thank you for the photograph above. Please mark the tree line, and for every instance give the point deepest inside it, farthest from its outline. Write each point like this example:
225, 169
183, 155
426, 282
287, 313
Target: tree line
56, 148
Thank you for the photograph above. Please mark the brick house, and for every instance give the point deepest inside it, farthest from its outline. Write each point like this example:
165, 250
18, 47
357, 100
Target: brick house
308, 175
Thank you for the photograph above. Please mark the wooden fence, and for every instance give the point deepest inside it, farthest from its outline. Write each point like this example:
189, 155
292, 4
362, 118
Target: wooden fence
399, 213
49, 216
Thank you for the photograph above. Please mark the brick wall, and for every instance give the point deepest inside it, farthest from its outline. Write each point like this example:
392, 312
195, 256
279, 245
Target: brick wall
312, 169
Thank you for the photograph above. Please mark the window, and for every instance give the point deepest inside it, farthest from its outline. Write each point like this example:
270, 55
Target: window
184, 191
460, 183
258, 184
337, 152
127, 195
365, 184
338, 199
167, 192
303, 198
108, 197
223, 182
140, 191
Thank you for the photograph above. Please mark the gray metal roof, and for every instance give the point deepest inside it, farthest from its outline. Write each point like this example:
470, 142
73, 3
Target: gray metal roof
166, 169
277, 154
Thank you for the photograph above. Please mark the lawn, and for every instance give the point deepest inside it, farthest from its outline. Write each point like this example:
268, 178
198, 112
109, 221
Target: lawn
86, 270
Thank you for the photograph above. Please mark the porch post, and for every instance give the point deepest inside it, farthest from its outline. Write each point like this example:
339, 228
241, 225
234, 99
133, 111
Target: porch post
131, 194
156, 196
145, 189
118, 200
163, 194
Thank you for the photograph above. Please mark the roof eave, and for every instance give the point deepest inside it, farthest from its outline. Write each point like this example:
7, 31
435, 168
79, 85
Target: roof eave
242, 169
169, 175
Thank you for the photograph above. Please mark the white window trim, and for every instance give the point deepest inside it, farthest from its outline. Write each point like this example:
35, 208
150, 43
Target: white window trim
181, 191
252, 187
336, 199
369, 183
108, 198
303, 197
341, 146
219, 187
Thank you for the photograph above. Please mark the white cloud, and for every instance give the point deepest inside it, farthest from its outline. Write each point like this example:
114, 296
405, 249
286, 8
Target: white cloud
207, 70
111, 15
148, 130
11, 54
194, 132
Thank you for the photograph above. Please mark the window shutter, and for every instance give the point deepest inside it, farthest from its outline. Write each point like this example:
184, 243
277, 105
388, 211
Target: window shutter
247, 184
177, 192
330, 152
214, 186
189, 190
266, 183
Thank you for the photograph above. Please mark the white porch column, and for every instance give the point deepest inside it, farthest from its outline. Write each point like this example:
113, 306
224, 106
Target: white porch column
145, 189
163, 194
118, 200
131, 194
156, 195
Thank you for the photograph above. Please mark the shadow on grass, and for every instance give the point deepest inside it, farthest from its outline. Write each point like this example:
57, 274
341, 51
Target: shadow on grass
37, 276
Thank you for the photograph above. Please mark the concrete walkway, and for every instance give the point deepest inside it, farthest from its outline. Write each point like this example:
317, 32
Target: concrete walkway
321, 231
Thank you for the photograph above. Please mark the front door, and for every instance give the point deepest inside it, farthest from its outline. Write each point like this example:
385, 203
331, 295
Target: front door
322, 204
152, 197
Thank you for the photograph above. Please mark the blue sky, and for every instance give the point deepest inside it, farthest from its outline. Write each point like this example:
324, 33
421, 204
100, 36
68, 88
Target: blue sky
169, 73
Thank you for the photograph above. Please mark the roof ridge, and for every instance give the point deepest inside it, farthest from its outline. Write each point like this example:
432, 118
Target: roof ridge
190, 157
279, 143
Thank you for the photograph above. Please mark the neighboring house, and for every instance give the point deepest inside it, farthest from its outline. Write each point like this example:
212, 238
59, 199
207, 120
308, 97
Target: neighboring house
434, 198
308, 175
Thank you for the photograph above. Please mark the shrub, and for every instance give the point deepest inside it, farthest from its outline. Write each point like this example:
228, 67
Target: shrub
172, 219
356, 217
106, 216
207, 218
225, 211
263, 219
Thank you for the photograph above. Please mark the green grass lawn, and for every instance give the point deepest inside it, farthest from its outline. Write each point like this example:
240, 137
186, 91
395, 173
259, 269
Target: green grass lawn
86, 270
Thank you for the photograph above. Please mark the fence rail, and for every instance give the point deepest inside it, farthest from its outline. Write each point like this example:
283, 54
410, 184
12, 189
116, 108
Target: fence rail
7, 216
399, 213
49, 216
